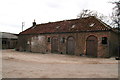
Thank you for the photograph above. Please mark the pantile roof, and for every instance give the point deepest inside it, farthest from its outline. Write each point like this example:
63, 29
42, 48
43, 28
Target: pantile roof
75, 25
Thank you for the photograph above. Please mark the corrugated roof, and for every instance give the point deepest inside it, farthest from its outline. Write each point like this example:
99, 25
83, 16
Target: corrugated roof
74, 25
8, 35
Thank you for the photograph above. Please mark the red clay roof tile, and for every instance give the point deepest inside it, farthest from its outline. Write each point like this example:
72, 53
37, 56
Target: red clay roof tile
83, 24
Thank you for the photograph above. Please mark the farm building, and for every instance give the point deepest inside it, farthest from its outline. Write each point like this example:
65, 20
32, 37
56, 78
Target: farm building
9, 40
85, 36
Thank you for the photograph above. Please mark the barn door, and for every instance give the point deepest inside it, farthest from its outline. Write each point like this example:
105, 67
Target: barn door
91, 47
54, 45
70, 45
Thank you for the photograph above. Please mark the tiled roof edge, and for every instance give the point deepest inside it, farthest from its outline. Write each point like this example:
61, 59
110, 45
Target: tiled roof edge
67, 32
107, 26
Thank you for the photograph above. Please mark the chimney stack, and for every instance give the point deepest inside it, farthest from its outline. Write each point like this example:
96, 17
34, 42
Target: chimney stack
34, 23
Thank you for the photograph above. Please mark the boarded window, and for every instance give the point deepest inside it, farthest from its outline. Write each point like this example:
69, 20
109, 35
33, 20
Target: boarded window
104, 40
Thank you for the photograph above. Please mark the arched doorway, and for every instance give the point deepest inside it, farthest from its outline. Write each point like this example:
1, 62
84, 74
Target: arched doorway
91, 46
54, 45
70, 45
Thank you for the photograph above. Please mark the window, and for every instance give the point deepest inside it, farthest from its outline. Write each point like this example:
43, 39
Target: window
48, 40
62, 40
4, 42
104, 40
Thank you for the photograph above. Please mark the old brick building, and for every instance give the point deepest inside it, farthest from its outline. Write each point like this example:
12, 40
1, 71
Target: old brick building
86, 36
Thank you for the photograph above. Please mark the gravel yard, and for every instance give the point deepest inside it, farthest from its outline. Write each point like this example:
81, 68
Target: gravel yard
36, 65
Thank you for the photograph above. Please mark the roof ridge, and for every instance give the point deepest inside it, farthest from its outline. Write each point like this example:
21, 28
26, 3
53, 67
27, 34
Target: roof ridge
64, 20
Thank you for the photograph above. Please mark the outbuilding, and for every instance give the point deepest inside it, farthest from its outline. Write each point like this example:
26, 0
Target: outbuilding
9, 40
85, 36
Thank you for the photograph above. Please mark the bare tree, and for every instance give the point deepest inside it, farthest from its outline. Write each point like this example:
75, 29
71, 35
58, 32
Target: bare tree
87, 13
116, 14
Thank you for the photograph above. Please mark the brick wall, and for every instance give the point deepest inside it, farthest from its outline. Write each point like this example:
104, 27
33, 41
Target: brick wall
114, 44
39, 43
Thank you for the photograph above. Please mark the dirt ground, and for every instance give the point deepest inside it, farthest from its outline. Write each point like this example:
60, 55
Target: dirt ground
35, 65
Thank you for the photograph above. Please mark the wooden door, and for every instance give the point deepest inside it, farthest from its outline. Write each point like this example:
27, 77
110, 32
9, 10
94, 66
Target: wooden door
54, 45
70, 45
91, 46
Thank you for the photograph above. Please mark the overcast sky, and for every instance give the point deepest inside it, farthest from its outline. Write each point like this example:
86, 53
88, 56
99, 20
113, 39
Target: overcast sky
14, 12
